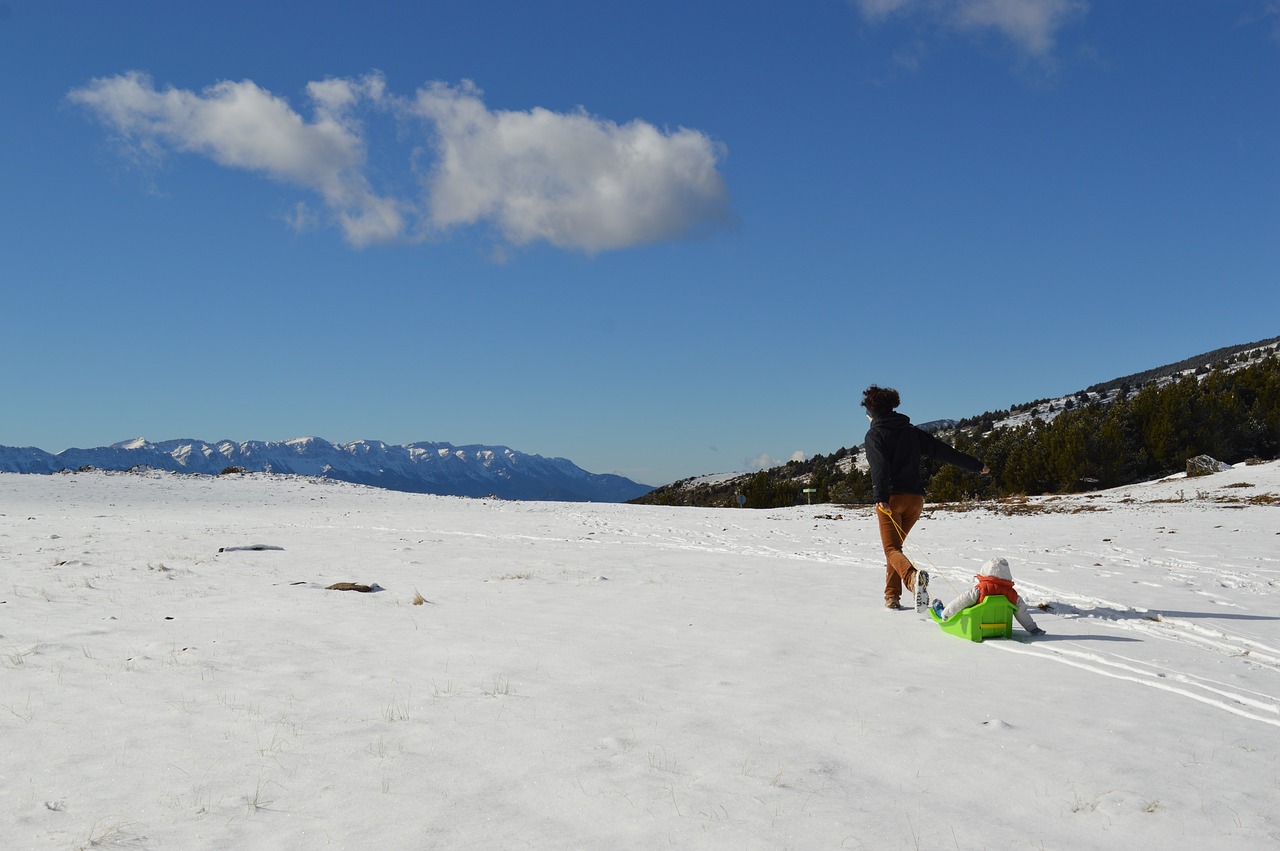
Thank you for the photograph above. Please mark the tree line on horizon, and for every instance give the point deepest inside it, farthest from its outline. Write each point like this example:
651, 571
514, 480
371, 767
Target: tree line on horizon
1091, 444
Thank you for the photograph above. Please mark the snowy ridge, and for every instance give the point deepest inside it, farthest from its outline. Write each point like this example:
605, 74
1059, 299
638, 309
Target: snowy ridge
1228, 360
426, 467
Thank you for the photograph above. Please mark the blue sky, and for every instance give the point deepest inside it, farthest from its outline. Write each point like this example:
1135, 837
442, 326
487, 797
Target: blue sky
658, 239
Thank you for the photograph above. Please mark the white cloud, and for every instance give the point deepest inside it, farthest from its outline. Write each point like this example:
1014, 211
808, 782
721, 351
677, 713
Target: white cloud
301, 218
877, 10
1031, 25
765, 461
572, 179
1267, 12
241, 125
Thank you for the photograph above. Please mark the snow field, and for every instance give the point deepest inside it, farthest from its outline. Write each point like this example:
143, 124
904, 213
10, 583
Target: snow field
613, 676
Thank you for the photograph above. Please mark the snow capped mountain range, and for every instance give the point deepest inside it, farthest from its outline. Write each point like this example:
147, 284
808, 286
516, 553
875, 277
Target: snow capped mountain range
436, 468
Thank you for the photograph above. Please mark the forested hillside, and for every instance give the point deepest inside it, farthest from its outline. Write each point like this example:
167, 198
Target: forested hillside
1229, 410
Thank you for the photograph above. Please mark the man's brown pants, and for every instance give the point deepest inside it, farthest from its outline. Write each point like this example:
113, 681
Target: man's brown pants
904, 511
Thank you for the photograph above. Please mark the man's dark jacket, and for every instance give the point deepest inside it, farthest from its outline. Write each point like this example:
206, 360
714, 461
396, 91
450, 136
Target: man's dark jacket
894, 447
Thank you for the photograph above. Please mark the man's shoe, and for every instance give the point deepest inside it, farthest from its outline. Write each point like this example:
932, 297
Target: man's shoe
922, 591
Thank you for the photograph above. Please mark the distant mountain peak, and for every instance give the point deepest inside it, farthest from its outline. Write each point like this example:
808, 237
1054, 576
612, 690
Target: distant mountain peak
436, 468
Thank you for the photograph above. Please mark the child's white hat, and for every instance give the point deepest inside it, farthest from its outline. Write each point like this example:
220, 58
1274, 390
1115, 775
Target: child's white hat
998, 568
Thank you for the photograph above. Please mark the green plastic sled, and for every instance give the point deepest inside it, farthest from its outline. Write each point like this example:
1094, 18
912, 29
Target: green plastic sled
992, 618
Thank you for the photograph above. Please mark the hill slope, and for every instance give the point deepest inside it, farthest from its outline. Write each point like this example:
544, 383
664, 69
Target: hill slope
1225, 403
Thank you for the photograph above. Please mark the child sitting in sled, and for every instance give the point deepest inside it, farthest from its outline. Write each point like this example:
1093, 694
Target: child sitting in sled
994, 579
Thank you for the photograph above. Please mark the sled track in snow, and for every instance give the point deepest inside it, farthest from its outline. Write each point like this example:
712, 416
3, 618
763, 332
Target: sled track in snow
1210, 633
1255, 706
1163, 625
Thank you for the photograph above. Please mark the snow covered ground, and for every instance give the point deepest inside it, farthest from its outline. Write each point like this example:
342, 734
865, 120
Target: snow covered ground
616, 676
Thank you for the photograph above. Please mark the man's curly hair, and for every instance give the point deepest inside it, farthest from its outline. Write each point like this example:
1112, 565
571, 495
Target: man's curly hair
880, 400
